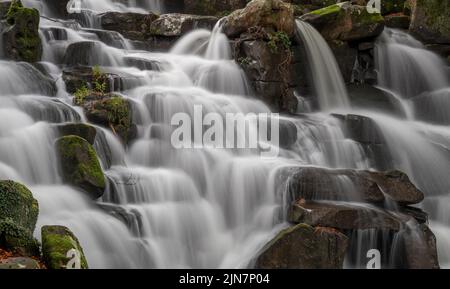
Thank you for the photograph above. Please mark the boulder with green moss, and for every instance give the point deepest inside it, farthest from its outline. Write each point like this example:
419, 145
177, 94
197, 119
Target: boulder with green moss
346, 22
17, 239
80, 165
83, 130
59, 247
271, 15
430, 20
17, 203
304, 247
21, 41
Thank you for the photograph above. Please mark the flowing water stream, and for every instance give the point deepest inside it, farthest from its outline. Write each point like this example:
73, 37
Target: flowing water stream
205, 208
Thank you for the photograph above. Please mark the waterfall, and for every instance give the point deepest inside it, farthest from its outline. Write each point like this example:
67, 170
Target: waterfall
329, 86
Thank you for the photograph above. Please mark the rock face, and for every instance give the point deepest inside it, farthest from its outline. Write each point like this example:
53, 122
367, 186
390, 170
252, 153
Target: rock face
304, 247
171, 25
345, 22
18, 216
133, 26
21, 39
20, 263
82, 130
272, 15
430, 21
212, 7
57, 242
80, 165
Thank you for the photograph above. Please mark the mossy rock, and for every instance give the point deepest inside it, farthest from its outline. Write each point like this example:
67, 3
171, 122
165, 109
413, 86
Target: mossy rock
80, 165
17, 203
83, 130
430, 21
346, 22
57, 242
18, 239
21, 39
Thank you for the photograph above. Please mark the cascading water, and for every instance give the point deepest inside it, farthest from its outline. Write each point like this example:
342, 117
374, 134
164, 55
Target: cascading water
202, 208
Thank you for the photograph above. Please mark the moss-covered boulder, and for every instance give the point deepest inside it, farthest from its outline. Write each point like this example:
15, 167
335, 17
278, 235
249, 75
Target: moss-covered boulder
17, 239
345, 22
430, 20
80, 165
271, 15
58, 243
17, 203
83, 130
21, 39
304, 247
111, 111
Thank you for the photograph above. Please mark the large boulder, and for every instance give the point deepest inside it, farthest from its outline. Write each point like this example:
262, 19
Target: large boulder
18, 239
304, 247
172, 25
80, 165
17, 203
83, 130
420, 248
272, 15
351, 185
57, 243
345, 22
133, 26
21, 41
430, 21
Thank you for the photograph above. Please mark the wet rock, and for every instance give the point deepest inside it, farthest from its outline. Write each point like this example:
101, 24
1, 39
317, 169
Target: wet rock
311, 183
387, 7
171, 25
85, 53
398, 21
272, 15
304, 247
343, 216
288, 133
212, 7
363, 129
144, 64
420, 249
19, 263
345, 22
345, 57
21, 41
79, 76
57, 8
17, 203
80, 166
110, 111
430, 21
133, 26
110, 38
82, 130
57, 242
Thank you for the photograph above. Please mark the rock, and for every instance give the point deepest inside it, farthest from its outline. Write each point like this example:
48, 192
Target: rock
17, 203
387, 7
83, 130
133, 26
144, 64
345, 22
304, 247
398, 21
171, 25
430, 21
263, 68
4, 7
369, 97
85, 53
21, 41
110, 111
19, 263
363, 129
212, 7
17, 239
311, 183
57, 242
57, 8
288, 133
272, 15
420, 248
78, 76
80, 165
344, 216
345, 57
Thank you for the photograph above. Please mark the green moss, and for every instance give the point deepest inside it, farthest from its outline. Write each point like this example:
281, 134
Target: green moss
57, 241
437, 14
17, 203
333, 9
279, 41
16, 238
80, 164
